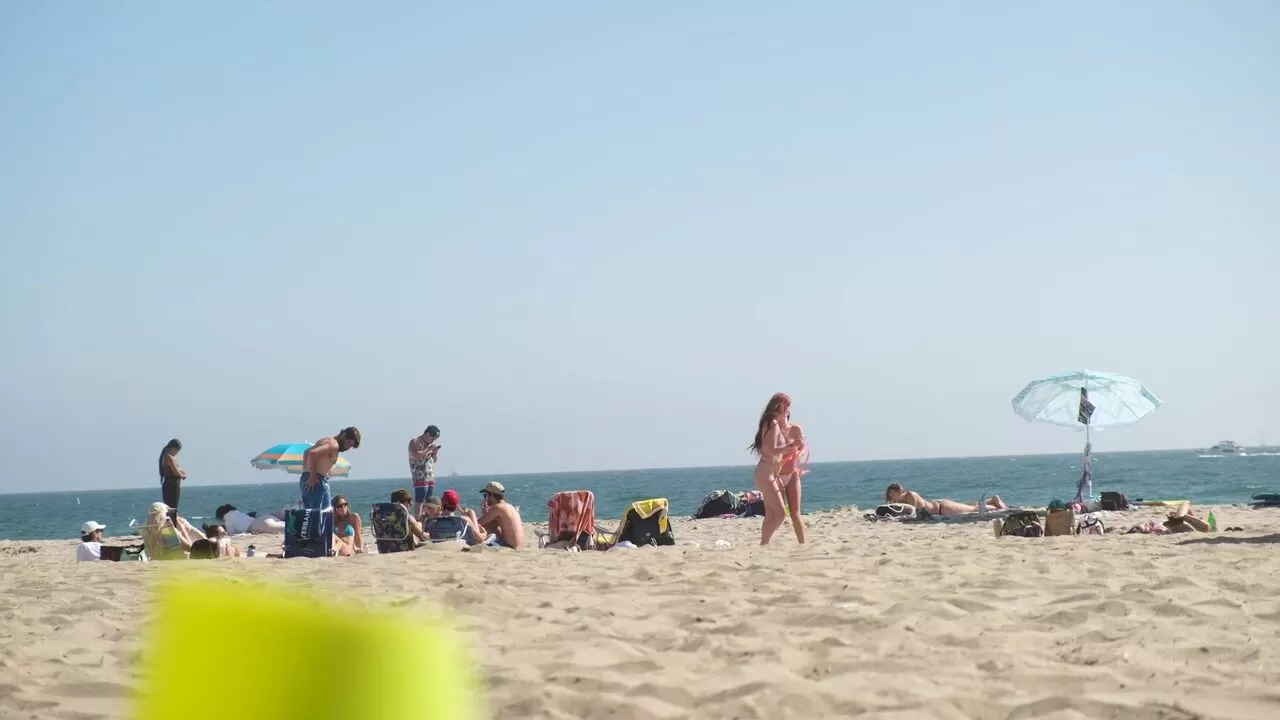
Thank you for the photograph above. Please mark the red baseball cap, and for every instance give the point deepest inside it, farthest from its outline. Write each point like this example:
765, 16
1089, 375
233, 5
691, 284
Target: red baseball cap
449, 499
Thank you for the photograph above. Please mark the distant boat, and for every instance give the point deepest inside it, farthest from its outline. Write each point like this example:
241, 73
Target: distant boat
1226, 447
453, 471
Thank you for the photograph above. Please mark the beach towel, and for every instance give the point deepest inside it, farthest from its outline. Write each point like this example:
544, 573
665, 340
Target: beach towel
390, 523
571, 517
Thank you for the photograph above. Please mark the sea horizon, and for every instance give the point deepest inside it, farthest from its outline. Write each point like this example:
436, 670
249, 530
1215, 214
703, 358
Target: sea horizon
597, 471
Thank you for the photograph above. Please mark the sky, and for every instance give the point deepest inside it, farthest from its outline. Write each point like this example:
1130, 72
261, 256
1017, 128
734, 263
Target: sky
600, 235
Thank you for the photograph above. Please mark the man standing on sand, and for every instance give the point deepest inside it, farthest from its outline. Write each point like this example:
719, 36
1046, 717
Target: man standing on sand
317, 461
500, 524
423, 453
171, 477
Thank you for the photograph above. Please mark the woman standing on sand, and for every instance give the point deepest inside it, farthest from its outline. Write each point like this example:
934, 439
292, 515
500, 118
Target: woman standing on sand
789, 473
771, 444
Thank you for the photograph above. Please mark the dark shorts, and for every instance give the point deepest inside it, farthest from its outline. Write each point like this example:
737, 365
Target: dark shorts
422, 492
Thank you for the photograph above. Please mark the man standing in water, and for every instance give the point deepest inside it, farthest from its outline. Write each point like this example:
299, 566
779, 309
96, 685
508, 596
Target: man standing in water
317, 461
171, 477
423, 453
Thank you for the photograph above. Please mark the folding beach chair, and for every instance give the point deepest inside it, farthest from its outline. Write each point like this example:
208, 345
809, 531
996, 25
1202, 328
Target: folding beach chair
125, 553
448, 527
391, 527
571, 518
308, 532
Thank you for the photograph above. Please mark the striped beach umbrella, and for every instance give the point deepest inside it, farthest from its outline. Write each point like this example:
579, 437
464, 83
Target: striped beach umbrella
288, 457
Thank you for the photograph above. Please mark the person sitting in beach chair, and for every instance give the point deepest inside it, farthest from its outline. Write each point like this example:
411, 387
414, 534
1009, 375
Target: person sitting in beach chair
571, 518
895, 493
92, 547
163, 538
446, 523
394, 527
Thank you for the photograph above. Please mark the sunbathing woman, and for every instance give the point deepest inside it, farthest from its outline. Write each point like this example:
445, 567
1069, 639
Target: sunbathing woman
895, 493
770, 444
790, 471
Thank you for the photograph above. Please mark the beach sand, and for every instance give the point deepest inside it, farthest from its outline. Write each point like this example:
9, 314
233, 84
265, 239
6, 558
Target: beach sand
875, 620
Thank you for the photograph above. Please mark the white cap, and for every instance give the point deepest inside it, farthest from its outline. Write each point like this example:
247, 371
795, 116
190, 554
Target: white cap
91, 526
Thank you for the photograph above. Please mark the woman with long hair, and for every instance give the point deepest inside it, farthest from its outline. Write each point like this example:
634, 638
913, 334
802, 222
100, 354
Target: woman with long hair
771, 444
164, 538
791, 468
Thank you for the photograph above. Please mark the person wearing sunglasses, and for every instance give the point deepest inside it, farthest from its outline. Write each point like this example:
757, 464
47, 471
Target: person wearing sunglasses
348, 538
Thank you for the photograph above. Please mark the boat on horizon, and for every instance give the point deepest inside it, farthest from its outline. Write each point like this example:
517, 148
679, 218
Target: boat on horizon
1226, 447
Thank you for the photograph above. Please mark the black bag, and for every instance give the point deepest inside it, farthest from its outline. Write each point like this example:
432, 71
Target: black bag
1022, 524
717, 504
1112, 500
646, 531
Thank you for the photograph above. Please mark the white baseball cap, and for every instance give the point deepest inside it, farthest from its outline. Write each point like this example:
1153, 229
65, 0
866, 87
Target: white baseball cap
91, 526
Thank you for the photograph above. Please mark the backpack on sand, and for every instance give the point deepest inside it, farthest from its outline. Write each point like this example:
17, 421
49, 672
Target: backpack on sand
1022, 524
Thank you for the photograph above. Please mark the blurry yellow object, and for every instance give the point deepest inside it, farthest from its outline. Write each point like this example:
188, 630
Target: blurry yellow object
259, 652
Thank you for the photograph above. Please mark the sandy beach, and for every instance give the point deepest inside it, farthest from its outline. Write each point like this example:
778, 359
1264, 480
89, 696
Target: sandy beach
875, 620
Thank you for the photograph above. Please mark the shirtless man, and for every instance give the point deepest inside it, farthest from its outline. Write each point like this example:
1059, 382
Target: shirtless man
500, 524
317, 461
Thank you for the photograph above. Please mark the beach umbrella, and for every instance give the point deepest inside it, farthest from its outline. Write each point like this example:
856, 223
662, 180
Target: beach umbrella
288, 457
1085, 400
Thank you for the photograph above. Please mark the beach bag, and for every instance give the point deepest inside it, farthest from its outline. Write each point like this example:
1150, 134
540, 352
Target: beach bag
1112, 500
1091, 525
308, 533
645, 523
1022, 524
717, 504
1059, 522
900, 511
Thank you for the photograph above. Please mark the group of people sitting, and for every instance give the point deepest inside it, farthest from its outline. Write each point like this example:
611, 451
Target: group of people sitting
169, 536
444, 518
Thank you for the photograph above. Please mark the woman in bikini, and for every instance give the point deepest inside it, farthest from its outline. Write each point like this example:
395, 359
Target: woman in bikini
895, 493
771, 444
347, 538
789, 473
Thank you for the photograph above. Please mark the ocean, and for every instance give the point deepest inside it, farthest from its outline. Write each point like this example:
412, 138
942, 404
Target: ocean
1027, 480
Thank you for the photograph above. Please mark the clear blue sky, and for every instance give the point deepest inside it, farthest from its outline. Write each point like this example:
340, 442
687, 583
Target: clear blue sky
589, 235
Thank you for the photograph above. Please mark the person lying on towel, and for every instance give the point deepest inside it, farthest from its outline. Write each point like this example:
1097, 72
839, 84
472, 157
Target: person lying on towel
895, 493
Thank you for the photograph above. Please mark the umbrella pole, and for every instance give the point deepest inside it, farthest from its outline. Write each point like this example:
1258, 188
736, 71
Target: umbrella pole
1085, 491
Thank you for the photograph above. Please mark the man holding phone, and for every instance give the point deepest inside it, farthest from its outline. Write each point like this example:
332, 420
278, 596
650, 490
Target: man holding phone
423, 453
